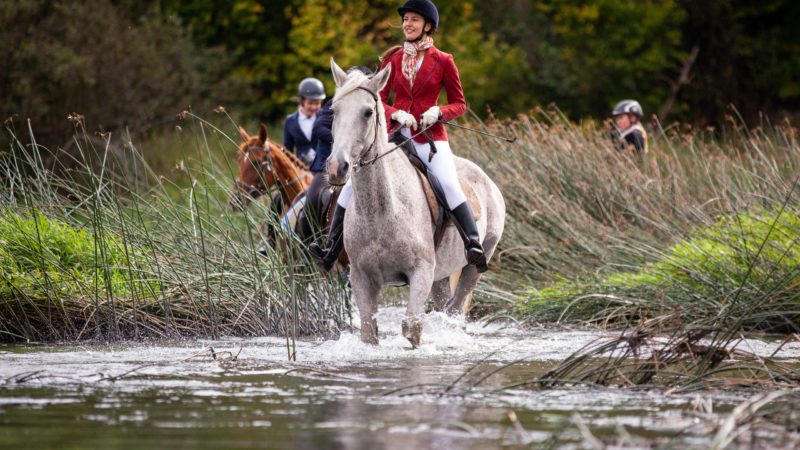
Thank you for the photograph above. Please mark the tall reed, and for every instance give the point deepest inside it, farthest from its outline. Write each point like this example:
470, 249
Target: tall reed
190, 265
578, 208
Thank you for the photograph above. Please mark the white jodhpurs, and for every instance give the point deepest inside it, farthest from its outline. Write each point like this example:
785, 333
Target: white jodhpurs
442, 165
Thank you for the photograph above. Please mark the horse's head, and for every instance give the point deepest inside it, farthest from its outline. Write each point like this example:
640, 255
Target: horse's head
253, 177
358, 121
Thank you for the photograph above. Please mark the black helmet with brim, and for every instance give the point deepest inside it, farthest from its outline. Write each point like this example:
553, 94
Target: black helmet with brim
312, 89
424, 8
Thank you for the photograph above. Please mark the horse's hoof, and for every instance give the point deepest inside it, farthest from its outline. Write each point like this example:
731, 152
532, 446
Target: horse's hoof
412, 330
369, 332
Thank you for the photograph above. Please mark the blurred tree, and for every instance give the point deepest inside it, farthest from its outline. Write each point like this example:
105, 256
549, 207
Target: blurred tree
254, 34
588, 55
749, 57
68, 56
356, 32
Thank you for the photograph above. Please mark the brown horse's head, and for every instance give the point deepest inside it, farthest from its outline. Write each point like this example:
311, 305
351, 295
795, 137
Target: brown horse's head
255, 175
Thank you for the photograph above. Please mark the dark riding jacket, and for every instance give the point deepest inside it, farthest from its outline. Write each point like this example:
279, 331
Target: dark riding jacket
324, 136
293, 138
438, 70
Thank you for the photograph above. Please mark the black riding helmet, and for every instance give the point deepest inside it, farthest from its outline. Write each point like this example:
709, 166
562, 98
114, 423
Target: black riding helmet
424, 8
312, 89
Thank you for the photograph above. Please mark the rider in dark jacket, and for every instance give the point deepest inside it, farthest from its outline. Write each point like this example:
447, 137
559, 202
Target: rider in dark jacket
298, 134
324, 137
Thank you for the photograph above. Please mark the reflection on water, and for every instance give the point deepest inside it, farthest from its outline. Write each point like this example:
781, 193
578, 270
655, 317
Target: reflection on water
339, 394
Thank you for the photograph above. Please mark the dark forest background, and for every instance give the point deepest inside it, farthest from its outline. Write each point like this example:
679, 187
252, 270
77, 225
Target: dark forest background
138, 63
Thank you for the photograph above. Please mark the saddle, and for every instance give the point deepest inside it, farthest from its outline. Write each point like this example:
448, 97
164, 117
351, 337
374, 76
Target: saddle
434, 193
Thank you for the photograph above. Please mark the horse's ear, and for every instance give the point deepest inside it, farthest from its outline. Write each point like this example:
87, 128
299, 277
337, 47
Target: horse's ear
377, 82
339, 75
263, 133
243, 134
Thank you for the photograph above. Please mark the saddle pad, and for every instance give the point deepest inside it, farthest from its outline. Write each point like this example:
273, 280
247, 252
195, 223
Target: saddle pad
439, 218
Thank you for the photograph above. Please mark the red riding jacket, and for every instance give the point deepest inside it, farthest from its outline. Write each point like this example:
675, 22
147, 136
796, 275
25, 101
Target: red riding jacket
438, 69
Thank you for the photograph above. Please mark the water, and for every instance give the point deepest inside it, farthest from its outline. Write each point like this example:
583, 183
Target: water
338, 394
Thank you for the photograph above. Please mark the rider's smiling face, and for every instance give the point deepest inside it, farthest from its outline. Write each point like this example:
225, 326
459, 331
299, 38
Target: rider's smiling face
413, 25
309, 107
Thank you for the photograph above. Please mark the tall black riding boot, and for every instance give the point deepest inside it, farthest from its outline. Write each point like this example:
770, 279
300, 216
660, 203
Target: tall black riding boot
462, 214
327, 256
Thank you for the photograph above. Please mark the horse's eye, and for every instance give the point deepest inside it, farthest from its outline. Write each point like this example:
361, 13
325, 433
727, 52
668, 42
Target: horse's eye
367, 113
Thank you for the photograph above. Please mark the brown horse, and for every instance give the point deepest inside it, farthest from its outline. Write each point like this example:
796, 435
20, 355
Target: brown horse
263, 165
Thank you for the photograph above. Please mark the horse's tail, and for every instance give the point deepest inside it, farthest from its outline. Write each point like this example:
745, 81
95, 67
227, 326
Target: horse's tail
388, 53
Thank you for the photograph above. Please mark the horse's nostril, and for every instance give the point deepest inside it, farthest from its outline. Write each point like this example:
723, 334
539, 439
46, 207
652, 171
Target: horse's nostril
345, 166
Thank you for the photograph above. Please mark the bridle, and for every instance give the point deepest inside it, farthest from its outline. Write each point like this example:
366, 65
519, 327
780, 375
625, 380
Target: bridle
255, 190
361, 163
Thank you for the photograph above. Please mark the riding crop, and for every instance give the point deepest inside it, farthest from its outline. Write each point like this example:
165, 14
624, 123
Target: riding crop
510, 140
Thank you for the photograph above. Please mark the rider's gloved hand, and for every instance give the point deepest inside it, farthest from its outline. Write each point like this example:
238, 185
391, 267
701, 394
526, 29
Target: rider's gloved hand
430, 116
404, 119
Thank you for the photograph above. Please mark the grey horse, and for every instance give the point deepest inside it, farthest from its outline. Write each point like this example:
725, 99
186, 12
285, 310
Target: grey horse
388, 229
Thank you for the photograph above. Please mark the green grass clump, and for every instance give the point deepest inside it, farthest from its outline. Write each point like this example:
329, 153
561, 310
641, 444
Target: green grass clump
96, 245
41, 257
748, 257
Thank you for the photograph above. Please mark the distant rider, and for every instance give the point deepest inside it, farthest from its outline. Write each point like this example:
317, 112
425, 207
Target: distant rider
631, 134
298, 135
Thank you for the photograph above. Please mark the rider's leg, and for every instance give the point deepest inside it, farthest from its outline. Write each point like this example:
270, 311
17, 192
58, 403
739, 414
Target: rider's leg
327, 255
444, 167
314, 207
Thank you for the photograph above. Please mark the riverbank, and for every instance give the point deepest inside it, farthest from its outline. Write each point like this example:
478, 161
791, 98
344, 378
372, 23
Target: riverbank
160, 259
459, 389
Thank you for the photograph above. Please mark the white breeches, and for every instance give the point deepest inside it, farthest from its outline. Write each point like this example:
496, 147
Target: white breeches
442, 165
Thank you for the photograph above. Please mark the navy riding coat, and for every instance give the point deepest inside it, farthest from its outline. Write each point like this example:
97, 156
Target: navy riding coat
324, 136
293, 138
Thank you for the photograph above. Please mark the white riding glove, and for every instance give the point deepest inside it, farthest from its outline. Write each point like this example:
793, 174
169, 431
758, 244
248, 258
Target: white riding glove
404, 119
430, 116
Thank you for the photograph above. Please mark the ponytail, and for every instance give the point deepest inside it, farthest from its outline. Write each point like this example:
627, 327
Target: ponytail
388, 53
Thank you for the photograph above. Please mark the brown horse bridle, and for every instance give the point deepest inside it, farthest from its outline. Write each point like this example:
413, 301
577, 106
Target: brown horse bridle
256, 190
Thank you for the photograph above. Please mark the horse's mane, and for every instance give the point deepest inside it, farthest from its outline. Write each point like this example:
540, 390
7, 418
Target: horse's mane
354, 79
293, 159
289, 155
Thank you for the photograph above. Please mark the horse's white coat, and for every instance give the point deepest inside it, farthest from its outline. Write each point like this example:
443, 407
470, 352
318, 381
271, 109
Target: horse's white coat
388, 231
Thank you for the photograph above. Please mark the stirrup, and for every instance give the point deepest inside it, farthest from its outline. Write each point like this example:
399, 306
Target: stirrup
477, 258
323, 256
317, 250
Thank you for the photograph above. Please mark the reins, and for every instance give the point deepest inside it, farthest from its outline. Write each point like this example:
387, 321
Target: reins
361, 162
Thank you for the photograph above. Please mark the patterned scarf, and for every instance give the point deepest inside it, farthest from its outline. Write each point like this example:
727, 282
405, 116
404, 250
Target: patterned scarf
411, 56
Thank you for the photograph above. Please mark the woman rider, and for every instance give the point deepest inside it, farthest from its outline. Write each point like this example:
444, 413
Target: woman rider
419, 72
627, 115
298, 136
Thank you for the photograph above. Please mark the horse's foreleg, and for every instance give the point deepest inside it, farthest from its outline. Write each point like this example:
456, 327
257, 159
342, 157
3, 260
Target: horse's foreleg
420, 287
365, 292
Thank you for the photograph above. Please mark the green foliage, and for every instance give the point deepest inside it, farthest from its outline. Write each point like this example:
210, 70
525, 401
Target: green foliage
135, 64
757, 252
749, 57
591, 55
69, 56
42, 257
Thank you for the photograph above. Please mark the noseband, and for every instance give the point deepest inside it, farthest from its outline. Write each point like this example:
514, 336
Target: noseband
261, 188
